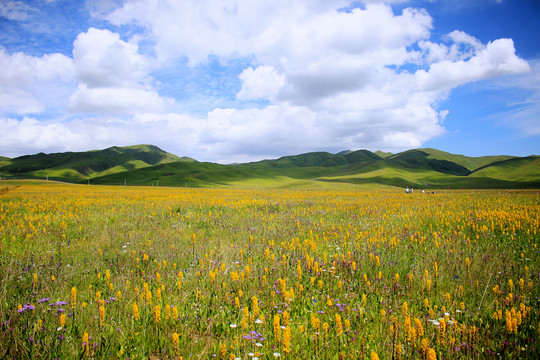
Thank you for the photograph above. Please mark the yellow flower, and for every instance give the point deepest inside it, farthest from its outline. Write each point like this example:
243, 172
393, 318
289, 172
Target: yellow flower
85, 345
73, 296
176, 341
136, 311
277, 327
339, 325
374, 356
157, 313
287, 339
101, 315
62, 320
255, 307
148, 296
315, 322
286, 317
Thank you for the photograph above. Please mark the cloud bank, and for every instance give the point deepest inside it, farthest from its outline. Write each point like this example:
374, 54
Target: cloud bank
320, 75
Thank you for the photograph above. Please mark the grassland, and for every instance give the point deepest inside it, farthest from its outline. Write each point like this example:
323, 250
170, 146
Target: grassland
152, 272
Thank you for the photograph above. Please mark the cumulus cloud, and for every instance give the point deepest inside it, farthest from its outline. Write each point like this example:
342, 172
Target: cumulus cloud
28, 136
27, 82
261, 83
102, 59
115, 100
113, 76
496, 59
332, 75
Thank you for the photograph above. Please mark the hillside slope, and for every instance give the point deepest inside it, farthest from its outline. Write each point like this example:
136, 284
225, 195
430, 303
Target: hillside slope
77, 166
525, 169
471, 163
149, 165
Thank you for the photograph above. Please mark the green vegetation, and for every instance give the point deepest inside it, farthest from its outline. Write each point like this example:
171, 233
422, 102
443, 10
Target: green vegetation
113, 272
148, 165
79, 166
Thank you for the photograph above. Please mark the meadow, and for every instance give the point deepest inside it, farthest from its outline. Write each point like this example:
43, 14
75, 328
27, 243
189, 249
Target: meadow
108, 272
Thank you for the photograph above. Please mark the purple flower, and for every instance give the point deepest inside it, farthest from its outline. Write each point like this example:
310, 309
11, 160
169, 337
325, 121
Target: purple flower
43, 300
24, 308
60, 303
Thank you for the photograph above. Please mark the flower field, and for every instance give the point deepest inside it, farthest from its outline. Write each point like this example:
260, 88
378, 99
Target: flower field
131, 272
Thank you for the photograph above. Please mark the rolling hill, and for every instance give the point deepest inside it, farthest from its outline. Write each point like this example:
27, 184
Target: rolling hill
80, 166
149, 165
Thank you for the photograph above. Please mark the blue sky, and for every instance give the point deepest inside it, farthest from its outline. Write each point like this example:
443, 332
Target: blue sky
234, 81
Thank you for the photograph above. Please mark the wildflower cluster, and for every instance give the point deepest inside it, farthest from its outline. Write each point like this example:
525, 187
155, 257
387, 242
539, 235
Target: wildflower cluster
105, 272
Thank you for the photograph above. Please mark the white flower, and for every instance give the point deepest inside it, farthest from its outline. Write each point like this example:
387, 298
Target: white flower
258, 321
251, 354
258, 344
276, 354
233, 325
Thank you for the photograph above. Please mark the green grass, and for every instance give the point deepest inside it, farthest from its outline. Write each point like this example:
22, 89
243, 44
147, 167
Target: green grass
317, 257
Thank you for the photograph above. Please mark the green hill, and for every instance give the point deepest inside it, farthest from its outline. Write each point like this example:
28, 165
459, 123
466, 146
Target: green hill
525, 169
77, 166
323, 159
148, 165
471, 163
418, 159
383, 154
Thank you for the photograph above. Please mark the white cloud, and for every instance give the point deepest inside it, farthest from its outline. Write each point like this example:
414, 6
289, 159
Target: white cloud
102, 59
28, 136
362, 78
29, 84
496, 59
114, 100
113, 76
523, 113
261, 83
15, 10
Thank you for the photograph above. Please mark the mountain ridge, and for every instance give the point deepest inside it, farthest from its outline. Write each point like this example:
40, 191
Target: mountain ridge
149, 165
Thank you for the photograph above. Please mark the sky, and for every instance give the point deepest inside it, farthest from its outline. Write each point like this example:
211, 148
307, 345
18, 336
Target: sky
236, 81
